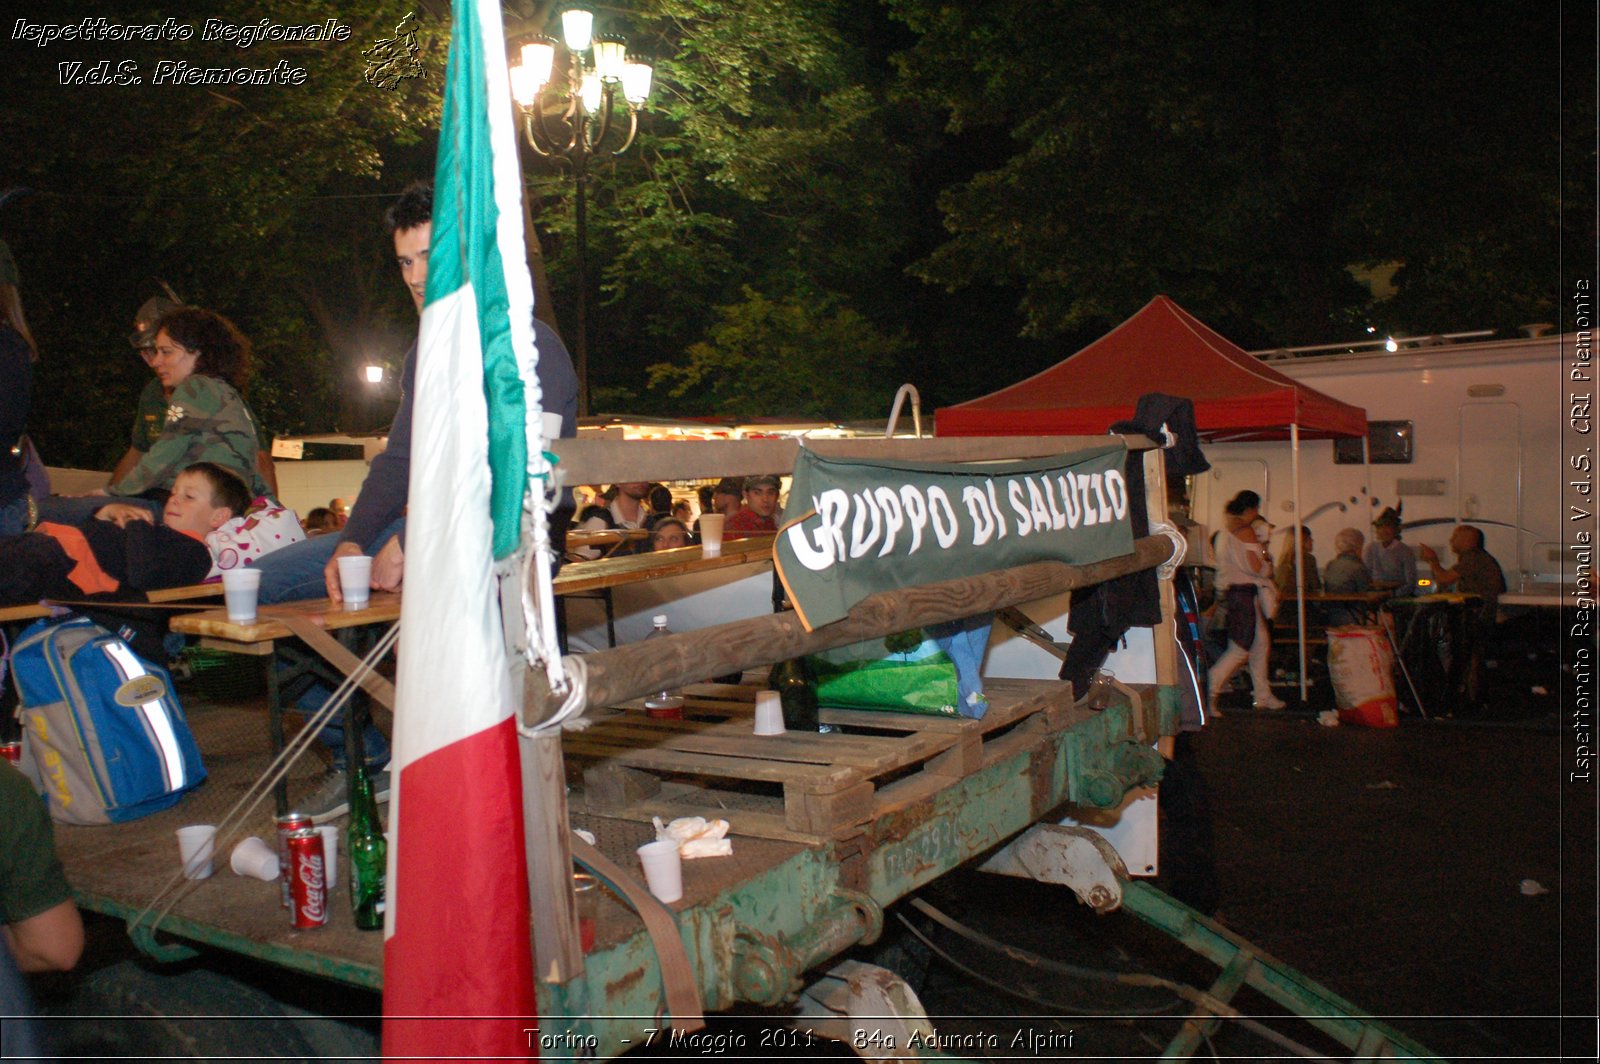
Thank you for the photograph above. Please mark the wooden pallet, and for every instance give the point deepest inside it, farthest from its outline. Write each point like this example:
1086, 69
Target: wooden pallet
798, 787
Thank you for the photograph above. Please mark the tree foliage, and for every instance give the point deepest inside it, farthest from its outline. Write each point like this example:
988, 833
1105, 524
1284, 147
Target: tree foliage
826, 197
263, 202
1242, 156
803, 355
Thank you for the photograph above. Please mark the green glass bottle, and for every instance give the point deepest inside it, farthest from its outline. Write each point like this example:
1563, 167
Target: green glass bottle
796, 685
367, 853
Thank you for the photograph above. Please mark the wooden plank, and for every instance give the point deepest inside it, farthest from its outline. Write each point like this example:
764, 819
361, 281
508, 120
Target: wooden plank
185, 593
963, 759
818, 777
869, 753
34, 611
659, 565
382, 608
675, 801
830, 812
611, 786
557, 949
886, 720
635, 670
606, 461
259, 650
1155, 500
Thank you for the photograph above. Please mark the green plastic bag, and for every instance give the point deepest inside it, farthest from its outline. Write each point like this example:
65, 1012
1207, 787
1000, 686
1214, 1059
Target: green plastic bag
904, 673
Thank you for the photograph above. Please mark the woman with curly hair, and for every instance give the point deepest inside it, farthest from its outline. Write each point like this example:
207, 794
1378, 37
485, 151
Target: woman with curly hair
201, 358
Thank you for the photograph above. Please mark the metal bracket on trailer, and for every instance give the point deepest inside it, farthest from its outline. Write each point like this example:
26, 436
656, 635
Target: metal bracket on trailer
1074, 857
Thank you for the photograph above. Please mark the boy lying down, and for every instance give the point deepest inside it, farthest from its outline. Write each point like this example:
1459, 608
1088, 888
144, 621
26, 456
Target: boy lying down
121, 549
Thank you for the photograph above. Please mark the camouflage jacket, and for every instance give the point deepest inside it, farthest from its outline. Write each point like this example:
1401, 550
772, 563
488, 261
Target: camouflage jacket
206, 421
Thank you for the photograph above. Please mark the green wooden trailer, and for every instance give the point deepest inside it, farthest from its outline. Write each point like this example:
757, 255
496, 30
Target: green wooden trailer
828, 830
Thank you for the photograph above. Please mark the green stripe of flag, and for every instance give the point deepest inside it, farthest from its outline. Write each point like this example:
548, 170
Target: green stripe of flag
464, 251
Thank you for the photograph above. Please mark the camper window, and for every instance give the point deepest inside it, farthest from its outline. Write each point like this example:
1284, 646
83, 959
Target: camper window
1390, 442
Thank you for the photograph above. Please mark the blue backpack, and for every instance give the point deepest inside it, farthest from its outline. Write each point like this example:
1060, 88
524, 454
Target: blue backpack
104, 731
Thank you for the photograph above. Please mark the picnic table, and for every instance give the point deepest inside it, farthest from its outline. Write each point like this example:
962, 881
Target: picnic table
577, 577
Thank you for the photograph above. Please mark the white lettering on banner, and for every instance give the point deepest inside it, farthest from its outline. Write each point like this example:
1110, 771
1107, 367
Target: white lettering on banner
1069, 501
1014, 493
983, 522
916, 513
939, 506
1037, 508
866, 507
849, 525
994, 507
893, 518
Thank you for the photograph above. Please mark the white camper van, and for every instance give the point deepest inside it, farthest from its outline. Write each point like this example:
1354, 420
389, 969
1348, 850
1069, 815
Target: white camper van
1466, 432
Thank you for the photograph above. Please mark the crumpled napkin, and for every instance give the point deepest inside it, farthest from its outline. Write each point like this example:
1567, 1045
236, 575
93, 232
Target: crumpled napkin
696, 836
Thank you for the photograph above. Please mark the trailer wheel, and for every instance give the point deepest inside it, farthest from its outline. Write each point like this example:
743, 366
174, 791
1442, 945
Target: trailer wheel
128, 1010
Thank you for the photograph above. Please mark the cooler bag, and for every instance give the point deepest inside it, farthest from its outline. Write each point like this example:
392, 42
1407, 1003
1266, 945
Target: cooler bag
102, 726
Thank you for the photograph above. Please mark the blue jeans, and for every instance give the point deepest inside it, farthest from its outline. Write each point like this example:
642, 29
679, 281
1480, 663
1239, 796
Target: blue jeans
295, 573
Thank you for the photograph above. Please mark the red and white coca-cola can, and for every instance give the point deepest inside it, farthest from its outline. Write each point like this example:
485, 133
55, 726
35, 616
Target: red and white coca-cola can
12, 752
308, 880
286, 824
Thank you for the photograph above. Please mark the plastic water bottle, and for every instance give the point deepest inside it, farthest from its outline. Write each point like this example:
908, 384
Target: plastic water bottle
666, 704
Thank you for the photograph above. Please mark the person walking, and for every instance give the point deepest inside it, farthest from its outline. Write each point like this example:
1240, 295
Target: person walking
1243, 570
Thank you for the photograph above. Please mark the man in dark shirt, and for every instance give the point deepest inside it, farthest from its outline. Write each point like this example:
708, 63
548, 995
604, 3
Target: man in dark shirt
1476, 573
376, 526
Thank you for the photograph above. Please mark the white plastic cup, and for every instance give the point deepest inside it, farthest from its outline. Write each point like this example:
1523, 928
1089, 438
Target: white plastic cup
240, 587
196, 847
769, 713
355, 580
663, 869
711, 534
254, 858
330, 854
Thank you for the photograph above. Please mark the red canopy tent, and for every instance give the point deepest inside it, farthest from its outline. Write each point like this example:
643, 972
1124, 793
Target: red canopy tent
1163, 348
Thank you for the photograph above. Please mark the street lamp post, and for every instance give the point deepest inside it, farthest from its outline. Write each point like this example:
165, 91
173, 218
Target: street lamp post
573, 121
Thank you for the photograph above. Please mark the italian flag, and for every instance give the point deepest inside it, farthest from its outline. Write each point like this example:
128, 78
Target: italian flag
458, 968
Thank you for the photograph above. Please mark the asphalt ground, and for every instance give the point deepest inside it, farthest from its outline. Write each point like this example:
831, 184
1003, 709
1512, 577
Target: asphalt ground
1439, 875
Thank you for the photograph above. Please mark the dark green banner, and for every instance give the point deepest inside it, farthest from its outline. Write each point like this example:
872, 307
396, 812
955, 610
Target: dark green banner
856, 527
